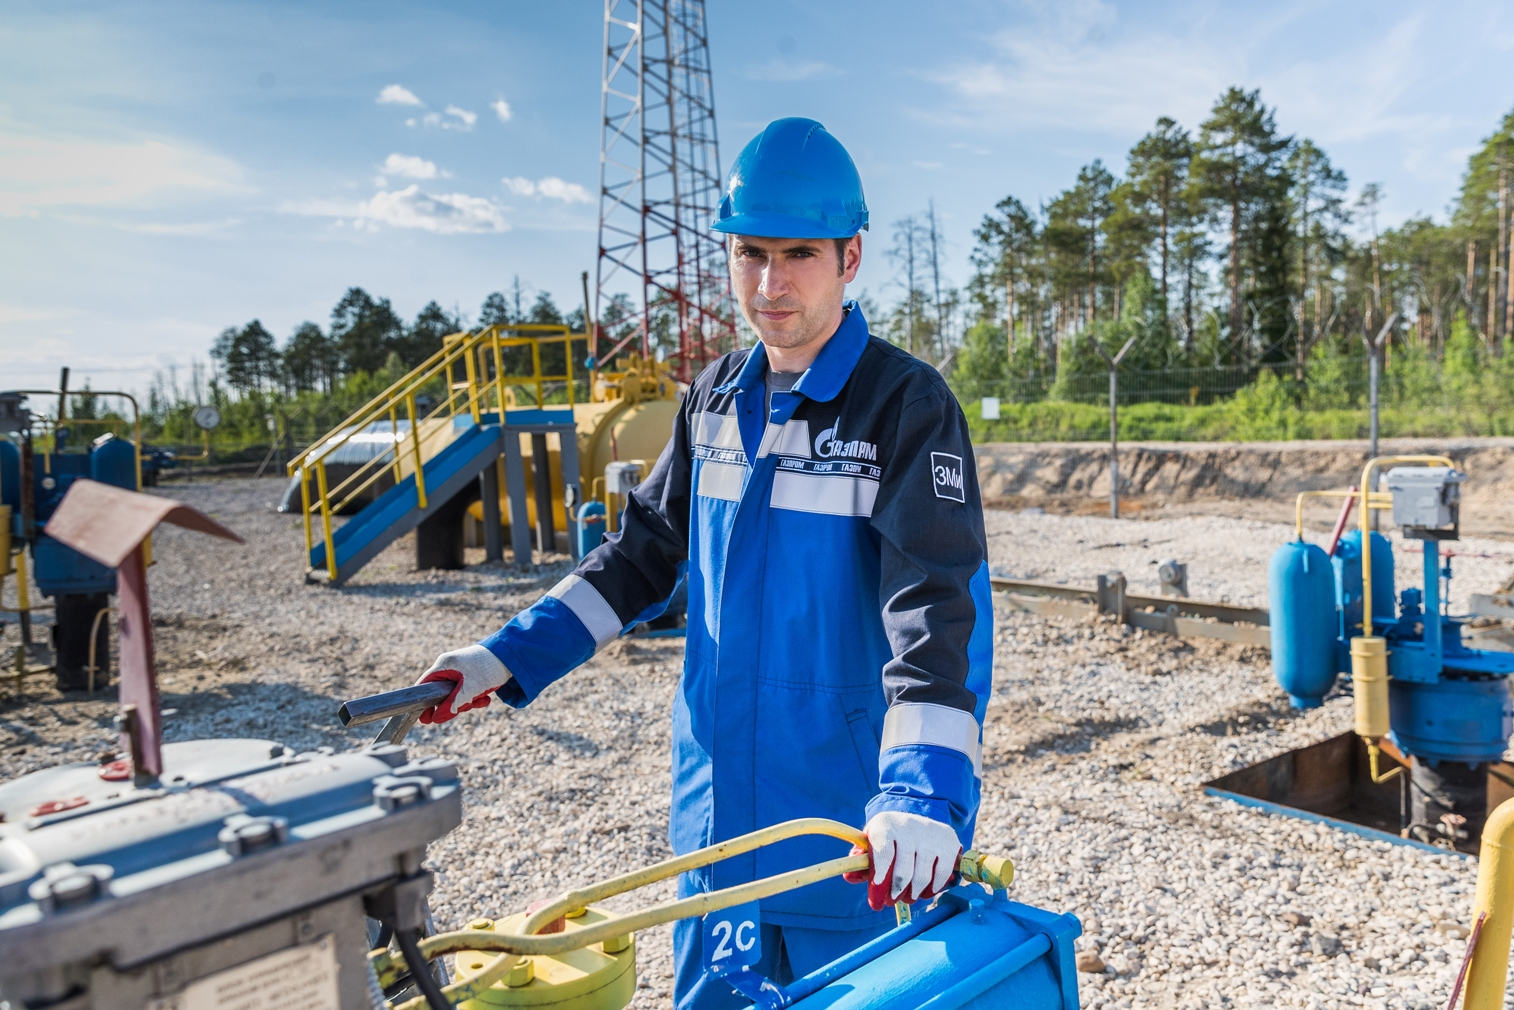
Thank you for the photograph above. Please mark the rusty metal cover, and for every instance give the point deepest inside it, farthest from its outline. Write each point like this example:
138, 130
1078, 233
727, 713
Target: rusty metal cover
105, 522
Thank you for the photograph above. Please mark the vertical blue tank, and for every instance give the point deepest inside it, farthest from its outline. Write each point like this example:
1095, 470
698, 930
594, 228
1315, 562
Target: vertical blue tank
114, 461
591, 526
1348, 582
1301, 589
10, 475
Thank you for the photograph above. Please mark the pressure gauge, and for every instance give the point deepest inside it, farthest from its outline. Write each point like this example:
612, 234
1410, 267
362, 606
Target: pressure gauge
207, 417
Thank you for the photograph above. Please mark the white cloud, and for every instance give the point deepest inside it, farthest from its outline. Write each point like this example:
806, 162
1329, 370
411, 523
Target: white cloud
444, 214
456, 119
554, 188
39, 172
785, 71
501, 109
551, 188
398, 94
439, 213
408, 166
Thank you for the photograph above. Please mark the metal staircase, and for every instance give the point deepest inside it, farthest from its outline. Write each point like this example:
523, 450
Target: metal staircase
445, 430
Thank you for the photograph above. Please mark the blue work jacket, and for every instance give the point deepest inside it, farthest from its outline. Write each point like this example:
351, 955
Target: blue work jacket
840, 632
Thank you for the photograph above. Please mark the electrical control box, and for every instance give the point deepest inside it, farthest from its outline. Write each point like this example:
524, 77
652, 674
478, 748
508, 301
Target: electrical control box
621, 478
1425, 498
238, 880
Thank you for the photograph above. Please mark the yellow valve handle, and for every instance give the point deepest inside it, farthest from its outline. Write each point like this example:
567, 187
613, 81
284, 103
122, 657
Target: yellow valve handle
974, 867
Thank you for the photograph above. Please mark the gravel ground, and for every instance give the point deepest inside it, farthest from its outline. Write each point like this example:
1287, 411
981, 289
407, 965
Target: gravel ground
1098, 739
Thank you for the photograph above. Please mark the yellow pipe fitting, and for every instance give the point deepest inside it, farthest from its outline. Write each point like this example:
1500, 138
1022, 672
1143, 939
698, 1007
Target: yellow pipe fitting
980, 868
1369, 680
1374, 753
1495, 899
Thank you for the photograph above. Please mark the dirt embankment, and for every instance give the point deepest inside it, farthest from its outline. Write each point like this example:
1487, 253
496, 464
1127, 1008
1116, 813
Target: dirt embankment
1255, 480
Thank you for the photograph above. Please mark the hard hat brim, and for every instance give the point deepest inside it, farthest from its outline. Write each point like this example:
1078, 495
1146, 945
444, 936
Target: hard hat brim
768, 225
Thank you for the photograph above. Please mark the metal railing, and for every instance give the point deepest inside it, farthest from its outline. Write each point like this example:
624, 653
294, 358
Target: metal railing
474, 374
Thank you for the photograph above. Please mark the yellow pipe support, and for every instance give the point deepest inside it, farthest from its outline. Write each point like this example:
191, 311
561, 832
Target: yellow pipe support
1495, 898
974, 867
94, 631
394, 441
320, 476
470, 366
415, 450
305, 509
23, 592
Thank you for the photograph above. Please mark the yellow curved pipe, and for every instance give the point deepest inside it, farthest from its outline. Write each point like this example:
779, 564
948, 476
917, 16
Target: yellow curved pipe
975, 867
1495, 898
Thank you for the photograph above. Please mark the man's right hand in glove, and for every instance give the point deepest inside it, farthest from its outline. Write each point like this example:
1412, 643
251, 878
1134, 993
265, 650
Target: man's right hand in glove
475, 673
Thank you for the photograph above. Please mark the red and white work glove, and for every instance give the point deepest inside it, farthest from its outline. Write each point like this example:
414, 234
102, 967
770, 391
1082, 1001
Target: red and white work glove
913, 858
475, 673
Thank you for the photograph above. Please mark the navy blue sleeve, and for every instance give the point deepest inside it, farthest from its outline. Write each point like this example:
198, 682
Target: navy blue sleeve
937, 613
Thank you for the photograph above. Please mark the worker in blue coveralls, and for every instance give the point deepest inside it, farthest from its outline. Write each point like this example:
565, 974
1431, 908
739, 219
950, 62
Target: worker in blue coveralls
820, 493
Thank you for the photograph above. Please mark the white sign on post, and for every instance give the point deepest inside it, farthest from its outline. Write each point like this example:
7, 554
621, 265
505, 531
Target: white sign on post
990, 408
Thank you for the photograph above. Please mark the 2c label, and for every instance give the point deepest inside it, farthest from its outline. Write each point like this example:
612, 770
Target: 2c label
733, 937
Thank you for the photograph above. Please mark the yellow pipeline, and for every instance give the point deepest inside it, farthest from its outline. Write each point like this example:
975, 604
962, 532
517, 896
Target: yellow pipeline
975, 867
1495, 898
1369, 652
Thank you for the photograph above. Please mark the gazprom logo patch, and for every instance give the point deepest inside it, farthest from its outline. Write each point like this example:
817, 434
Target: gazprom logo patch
828, 446
946, 476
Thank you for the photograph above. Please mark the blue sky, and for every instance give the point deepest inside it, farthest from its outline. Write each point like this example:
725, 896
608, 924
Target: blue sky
171, 168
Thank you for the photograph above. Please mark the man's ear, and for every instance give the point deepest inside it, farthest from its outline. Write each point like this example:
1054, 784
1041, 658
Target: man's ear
852, 262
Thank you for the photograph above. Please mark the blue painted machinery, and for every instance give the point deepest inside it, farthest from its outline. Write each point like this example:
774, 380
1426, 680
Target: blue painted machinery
33, 484
1445, 707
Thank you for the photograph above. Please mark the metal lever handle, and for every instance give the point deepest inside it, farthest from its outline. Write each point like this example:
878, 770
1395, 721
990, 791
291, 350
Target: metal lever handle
387, 704
402, 708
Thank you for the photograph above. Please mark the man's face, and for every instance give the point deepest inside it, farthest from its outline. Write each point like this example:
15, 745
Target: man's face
790, 290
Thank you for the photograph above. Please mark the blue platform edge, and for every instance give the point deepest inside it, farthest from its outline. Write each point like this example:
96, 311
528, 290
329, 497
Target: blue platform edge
971, 949
1356, 829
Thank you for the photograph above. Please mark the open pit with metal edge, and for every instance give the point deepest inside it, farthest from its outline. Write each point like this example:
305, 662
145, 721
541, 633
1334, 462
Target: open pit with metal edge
1330, 782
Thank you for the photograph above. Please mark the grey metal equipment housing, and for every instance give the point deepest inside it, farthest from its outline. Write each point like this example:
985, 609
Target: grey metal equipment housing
244, 877
1426, 500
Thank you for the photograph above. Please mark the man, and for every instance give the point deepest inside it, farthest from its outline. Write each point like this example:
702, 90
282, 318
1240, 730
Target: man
819, 490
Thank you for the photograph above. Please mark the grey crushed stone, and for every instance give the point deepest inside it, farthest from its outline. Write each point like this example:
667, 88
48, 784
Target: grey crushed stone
1098, 740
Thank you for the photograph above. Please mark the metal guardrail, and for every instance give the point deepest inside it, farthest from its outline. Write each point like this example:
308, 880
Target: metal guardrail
1172, 615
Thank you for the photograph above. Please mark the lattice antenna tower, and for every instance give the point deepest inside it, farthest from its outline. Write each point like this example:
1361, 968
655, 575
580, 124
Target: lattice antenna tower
660, 183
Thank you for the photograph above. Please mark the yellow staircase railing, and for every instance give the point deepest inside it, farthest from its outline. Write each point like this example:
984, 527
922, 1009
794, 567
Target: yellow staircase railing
474, 373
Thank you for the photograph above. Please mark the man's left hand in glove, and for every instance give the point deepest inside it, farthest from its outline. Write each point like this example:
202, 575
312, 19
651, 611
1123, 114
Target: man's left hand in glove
913, 858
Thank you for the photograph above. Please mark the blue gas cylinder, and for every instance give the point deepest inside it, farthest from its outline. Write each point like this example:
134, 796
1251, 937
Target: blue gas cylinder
113, 460
1303, 622
10, 475
1348, 581
591, 526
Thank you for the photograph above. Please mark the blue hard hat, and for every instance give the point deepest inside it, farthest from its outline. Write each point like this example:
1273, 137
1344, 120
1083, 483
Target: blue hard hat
793, 180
